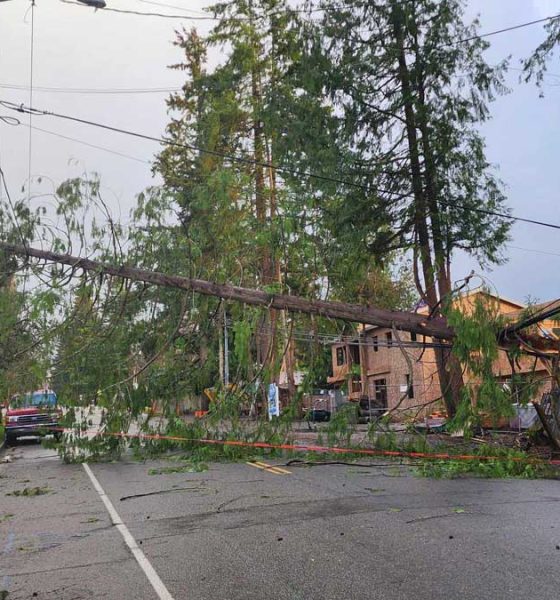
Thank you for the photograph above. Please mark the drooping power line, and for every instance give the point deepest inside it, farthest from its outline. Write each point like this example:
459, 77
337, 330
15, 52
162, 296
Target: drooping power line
31, 99
247, 161
65, 90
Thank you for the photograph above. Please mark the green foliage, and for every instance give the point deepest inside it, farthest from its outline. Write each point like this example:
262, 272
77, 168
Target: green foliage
508, 464
29, 492
476, 347
302, 95
195, 467
342, 426
535, 67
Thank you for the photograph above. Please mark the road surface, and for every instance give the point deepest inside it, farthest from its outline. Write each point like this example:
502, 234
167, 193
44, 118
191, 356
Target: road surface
239, 531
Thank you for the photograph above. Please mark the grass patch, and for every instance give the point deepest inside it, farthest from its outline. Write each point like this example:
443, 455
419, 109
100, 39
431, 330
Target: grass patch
30, 491
196, 467
6, 517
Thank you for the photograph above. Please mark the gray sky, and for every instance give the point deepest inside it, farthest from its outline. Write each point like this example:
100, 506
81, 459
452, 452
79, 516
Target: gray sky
76, 47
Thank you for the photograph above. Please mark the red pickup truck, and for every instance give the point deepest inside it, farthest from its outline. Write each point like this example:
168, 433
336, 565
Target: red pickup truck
33, 414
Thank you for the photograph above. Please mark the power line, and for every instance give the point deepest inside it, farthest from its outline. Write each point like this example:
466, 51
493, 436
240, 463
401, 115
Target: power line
103, 148
144, 14
63, 90
229, 157
324, 9
492, 213
506, 29
154, 90
534, 250
141, 160
190, 10
247, 161
12, 207
31, 99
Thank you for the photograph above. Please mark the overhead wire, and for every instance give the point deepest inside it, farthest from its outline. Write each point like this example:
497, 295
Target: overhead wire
173, 6
322, 9
31, 99
84, 143
141, 13
534, 250
63, 90
507, 29
229, 157
12, 206
280, 169
144, 161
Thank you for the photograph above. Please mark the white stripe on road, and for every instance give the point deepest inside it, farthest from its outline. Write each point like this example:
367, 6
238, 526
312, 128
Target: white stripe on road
145, 565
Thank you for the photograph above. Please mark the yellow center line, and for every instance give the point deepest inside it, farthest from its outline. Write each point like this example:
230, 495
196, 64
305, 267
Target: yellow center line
270, 468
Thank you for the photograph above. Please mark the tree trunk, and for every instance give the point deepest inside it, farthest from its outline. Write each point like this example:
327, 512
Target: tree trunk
265, 333
448, 368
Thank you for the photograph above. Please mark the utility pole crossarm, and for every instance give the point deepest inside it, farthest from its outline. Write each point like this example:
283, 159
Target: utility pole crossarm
406, 321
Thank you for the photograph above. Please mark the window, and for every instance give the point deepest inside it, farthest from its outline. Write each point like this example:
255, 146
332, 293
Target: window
412, 337
409, 386
355, 354
340, 356
381, 392
389, 338
375, 341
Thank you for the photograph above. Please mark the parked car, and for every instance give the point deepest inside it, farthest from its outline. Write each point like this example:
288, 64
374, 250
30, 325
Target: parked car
318, 415
32, 414
369, 411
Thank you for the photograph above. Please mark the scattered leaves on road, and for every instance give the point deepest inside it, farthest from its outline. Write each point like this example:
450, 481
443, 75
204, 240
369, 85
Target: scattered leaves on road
196, 467
5, 517
30, 491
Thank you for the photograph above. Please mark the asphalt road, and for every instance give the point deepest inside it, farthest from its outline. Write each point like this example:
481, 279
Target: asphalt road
241, 532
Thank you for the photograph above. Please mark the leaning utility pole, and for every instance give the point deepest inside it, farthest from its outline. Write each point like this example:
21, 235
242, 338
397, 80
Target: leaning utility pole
407, 321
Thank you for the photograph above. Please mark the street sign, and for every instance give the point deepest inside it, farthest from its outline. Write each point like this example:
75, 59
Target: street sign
273, 401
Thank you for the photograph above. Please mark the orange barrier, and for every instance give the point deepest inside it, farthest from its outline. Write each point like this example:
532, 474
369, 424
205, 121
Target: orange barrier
335, 450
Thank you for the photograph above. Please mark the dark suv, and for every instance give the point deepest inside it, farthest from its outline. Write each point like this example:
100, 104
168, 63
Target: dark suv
370, 411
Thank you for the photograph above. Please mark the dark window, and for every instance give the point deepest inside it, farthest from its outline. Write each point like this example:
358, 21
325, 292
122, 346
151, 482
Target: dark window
340, 356
381, 392
375, 343
355, 354
409, 386
412, 337
389, 338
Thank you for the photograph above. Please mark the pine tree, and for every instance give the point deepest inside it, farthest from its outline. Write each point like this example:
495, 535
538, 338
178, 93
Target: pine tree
410, 84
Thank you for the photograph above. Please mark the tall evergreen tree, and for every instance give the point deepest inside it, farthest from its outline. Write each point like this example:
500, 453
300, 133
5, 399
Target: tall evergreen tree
410, 84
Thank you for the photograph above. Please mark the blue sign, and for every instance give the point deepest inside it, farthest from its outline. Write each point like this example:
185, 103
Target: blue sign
273, 401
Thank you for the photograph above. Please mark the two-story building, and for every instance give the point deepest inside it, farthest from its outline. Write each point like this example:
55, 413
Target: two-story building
397, 370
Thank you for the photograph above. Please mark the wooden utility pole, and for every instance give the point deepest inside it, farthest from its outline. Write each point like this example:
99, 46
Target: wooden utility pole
407, 321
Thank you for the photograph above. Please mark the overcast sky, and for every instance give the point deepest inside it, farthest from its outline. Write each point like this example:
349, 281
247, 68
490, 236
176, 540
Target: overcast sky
76, 47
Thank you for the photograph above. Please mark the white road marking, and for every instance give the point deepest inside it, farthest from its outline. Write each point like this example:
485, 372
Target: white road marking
158, 585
